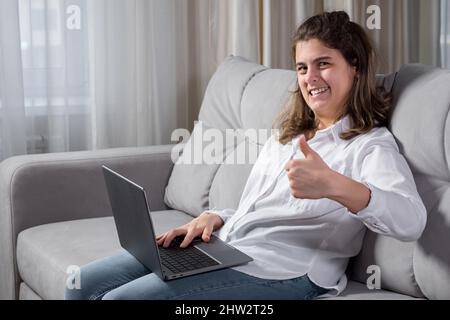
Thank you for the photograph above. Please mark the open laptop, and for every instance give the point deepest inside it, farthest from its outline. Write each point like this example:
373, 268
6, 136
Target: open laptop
136, 234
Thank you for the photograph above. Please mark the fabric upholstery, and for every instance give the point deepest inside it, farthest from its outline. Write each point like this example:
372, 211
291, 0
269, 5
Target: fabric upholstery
265, 97
221, 109
221, 106
191, 178
44, 252
46, 188
241, 94
395, 258
230, 179
358, 291
26, 293
421, 124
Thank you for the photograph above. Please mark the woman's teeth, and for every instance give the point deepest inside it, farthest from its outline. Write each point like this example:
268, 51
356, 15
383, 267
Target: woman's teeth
318, 91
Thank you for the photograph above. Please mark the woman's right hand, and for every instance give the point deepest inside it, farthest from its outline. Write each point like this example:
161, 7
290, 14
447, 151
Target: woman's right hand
204, 225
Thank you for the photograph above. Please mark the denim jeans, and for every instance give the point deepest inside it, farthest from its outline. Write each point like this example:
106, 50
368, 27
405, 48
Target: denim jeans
122, 277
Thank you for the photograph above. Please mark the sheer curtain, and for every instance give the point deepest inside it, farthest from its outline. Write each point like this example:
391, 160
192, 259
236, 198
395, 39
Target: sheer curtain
55, 75
409, 33
90, 74
149, 72
12, 119
410, 29
138, 71
78, 74
445, 33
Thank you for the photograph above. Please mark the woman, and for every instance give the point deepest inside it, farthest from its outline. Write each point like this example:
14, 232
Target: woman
331, 172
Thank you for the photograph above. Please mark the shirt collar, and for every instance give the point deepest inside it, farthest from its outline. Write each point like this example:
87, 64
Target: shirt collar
342, 125
333, 131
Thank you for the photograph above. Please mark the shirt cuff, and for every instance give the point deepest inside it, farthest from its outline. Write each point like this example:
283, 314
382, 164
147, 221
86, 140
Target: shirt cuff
224, 214
371, 215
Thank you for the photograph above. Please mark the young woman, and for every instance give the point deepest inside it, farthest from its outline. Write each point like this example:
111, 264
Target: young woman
331, 172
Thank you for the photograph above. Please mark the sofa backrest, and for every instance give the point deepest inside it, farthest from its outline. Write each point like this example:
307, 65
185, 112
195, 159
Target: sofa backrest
258, 94
242, 94
421, 126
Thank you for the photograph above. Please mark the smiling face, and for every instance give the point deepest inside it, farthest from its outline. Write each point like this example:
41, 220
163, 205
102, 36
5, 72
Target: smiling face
325, 79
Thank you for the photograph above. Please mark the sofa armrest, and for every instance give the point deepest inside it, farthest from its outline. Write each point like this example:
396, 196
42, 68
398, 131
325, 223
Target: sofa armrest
47, 188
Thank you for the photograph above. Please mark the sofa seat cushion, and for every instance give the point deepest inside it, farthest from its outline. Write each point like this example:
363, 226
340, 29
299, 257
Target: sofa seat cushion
44, 252
359, 291
25, 293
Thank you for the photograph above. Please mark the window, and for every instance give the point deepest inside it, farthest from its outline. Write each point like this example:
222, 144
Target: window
55, 74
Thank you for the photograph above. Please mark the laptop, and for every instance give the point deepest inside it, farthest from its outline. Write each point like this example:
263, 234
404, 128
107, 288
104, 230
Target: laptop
136, 234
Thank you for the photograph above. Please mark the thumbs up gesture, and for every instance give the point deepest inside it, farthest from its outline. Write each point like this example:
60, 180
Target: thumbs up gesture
309, 178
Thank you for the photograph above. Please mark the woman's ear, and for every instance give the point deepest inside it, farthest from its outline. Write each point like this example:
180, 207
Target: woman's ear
355, 70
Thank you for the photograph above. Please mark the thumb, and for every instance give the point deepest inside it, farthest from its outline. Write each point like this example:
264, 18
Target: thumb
305, 148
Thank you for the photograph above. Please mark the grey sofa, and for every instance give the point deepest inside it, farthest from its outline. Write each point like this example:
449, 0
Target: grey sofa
54, 210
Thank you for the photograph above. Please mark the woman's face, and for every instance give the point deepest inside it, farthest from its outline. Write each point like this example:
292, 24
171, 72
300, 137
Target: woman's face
325, 79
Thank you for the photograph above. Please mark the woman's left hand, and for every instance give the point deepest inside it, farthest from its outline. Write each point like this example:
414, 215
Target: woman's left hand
309, 178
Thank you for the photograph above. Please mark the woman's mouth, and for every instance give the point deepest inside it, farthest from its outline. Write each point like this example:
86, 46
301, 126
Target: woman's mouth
318, 91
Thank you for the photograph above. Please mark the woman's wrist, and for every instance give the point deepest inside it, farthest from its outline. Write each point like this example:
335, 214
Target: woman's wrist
353, 195
218, 221
334, 185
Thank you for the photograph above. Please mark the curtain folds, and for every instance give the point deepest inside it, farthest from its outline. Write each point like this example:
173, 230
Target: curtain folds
91, 74
410, 29
12, 113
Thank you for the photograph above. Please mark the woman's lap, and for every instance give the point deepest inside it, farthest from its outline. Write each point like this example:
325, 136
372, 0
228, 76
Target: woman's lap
123, 277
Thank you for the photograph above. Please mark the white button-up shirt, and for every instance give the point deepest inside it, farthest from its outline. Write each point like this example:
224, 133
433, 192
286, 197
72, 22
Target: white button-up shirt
289, 237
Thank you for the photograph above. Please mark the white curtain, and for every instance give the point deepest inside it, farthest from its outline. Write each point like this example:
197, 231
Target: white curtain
149, 72
138, 71
280, 20
90, 74
445, 33
409, 33
55, 74
410, 29
12, 119
112, 73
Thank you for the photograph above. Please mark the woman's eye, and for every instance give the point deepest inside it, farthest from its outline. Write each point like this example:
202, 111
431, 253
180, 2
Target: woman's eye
323, 64
301, 70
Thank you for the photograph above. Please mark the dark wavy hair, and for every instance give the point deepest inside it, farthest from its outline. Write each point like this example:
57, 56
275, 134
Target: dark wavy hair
365, 107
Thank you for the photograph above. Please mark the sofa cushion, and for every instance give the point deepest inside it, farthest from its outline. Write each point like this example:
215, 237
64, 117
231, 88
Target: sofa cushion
358, 291
221, 109
421, 125
221, 106
259, 110
420, 119
191, 178
230, 179
431, 254
25, 293
422, 102
44, 252
395, 260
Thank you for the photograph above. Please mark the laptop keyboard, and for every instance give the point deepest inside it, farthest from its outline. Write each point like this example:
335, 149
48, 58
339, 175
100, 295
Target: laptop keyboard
178, 259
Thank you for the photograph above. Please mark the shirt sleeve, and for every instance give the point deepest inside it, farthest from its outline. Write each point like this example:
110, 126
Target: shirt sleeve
395, 208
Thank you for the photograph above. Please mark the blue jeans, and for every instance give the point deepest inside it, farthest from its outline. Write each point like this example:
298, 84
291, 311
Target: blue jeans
123, 277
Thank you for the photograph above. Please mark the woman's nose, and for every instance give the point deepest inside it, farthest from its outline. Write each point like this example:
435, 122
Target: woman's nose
312, 76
